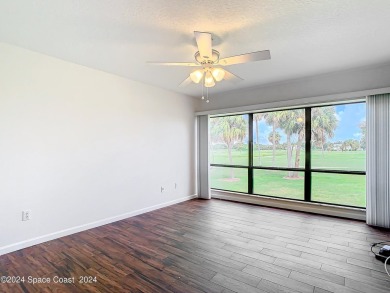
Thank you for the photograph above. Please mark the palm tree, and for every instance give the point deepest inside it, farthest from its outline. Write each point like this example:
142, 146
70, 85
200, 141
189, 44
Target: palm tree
257, 118
300, 130
287, 126
363, 127
323, 124
274, 138
229, 129
293, 122
273, 118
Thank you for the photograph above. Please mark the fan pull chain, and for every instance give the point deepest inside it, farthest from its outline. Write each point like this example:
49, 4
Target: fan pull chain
202, 87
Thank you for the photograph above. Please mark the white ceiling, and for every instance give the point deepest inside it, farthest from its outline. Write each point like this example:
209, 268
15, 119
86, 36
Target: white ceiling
305, 37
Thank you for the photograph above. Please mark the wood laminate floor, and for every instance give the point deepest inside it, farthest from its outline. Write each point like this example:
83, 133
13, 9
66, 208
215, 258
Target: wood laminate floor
208, 246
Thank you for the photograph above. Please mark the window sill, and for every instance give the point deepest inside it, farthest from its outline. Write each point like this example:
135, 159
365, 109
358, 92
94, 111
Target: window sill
310, 207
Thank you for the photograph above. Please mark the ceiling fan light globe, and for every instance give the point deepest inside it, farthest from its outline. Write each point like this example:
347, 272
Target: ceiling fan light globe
209, 80
196, 76
218, 73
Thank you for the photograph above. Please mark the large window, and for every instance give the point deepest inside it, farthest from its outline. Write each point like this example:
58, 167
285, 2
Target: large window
314, 154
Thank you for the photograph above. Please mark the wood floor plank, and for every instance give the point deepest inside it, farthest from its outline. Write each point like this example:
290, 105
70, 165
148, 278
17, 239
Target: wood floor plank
366, 278
278, 279
293, 258
232, 273
274, 288
314, 251
377, 266
320, 283
323, 260
250, 253
234, 285
189, 267
319, 290
280, 270
364, 287
344, 246
350, 254
380, 275
192, 277
328, 276
278, 249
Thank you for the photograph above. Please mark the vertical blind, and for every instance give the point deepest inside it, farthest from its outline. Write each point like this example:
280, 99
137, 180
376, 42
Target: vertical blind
378, 160
203, 157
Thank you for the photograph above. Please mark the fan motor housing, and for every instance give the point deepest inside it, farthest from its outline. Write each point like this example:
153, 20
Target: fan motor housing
203, 61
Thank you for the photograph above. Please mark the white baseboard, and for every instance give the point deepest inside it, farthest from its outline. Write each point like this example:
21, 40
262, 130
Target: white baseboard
315, 208
69, 231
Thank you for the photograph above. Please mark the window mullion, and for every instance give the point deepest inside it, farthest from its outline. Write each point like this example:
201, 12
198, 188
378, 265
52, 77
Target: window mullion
307, 154
250, 156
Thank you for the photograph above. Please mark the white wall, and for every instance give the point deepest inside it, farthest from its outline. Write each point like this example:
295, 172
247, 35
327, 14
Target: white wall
79, 146
355, 80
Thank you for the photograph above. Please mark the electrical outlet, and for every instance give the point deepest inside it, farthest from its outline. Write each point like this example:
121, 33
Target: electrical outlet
162, 189
175, 185
26, 215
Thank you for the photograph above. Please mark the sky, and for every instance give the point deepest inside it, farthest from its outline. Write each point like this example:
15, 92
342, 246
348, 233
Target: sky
349, 117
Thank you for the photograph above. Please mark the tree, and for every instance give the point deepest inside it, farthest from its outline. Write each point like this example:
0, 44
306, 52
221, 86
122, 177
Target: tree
257, 118
272, 118
330, 146
230, 130
362, 127
293, 122
355, 144
323, 124
350, 145
274, 138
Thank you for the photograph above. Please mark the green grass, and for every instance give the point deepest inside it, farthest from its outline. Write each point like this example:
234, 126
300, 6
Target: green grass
332, 188
220, 178
342, 189
276, 183
354, 161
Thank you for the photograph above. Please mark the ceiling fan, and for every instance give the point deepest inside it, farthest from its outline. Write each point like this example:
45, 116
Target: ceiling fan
210, 61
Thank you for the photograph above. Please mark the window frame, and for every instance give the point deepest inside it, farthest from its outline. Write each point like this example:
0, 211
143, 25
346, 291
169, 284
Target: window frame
307, 169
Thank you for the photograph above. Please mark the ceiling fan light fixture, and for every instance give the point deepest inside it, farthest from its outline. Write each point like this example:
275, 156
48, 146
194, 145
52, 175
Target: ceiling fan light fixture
196, 76
206, 58
209, 80
218, 74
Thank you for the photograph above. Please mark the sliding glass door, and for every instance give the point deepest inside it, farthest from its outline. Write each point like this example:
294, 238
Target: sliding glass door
229, 149
338, 154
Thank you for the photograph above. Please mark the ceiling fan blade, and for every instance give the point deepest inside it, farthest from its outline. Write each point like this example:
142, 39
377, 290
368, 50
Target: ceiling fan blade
203, 40
232, 77
174, 63
249, 57
185, 82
